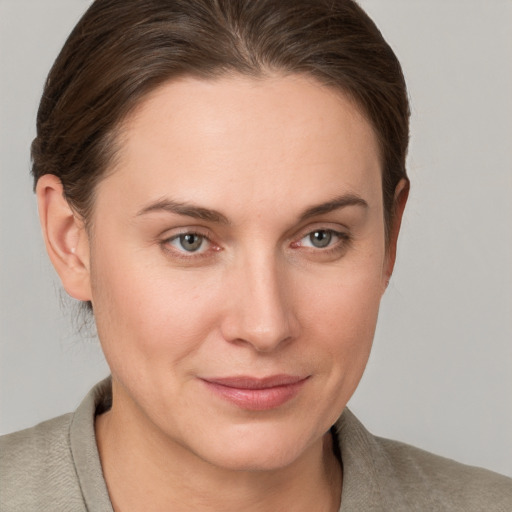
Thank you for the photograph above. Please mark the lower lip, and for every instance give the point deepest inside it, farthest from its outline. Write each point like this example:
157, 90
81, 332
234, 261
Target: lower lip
257, 399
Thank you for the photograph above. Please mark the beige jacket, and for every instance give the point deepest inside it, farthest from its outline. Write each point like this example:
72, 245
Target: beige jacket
55, 466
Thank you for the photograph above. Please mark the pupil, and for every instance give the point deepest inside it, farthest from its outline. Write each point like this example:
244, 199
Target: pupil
191, 242
320, 238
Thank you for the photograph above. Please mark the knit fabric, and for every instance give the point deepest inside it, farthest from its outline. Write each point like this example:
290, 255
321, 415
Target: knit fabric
55, 466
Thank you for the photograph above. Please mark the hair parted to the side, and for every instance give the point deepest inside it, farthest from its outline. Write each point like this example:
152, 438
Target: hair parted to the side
120, 50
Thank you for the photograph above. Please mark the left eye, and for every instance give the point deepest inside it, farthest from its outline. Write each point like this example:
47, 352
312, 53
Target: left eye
189, 242
320, 238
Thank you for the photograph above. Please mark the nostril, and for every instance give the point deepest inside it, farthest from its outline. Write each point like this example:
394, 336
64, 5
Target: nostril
265, 333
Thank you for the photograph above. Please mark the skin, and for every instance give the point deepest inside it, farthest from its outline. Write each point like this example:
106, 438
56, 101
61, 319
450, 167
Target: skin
256, 298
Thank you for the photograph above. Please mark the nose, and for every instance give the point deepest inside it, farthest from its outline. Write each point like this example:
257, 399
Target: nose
260, 309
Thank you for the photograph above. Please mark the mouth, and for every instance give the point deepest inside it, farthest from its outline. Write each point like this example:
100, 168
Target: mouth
256, 394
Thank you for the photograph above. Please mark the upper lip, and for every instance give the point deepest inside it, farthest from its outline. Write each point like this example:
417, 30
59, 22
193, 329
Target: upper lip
247, 382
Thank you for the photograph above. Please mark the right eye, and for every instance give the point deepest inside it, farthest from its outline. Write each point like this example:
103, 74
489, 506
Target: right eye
189, 242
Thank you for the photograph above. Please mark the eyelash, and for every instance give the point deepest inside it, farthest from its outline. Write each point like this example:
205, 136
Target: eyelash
338, 246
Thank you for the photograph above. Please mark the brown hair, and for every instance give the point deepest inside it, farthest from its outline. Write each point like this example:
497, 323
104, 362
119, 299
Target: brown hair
122, 49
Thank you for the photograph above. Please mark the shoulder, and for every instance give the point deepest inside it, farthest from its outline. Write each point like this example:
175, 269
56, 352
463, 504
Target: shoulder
37, 470
27, 443
400, 477
441, 481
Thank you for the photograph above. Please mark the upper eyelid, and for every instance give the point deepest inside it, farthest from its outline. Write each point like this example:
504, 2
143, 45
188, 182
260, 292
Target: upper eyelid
176, 236
339, 234
188, 232
321, 226
330, 230
172, 233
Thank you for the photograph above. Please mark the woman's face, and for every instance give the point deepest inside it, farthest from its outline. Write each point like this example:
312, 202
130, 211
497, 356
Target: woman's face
237, 262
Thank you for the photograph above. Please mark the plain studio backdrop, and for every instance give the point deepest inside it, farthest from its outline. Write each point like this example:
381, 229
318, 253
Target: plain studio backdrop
440, 375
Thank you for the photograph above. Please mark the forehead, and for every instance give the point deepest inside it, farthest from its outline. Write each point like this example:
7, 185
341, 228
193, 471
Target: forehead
276, 137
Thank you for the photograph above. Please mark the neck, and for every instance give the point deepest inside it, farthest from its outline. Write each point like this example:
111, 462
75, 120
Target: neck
157, 474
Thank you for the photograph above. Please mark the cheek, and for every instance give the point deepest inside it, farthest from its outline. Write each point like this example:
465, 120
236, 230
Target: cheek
342, 315
346, 322
347, 299
145, 312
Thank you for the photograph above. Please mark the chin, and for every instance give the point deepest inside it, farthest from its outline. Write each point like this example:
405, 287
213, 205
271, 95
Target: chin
259, 459
256, 448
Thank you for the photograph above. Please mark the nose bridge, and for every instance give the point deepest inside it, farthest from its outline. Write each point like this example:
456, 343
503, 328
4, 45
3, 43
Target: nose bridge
261, 312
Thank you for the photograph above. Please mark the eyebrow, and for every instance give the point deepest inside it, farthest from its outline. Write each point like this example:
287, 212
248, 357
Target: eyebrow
185, 209
335, 204
207, 214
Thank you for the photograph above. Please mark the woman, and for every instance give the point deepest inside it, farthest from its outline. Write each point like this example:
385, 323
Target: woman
222, 184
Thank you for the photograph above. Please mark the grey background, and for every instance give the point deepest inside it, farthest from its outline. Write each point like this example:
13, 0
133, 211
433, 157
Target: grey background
440, 375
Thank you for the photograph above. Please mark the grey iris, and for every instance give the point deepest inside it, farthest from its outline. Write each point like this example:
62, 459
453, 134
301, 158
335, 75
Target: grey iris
191, 242
320, 238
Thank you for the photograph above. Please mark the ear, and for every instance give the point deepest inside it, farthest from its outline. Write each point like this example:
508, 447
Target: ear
65, 237
399, 202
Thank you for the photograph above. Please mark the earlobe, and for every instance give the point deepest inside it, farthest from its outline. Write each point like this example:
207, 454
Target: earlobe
65, 237
400, 200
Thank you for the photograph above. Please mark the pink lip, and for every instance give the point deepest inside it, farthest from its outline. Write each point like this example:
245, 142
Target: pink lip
256, 394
